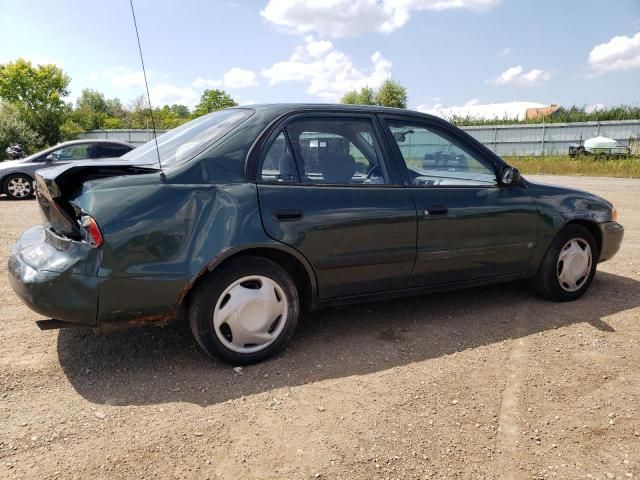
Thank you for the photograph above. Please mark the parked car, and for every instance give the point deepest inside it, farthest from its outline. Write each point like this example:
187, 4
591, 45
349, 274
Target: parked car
261, 213
17, 176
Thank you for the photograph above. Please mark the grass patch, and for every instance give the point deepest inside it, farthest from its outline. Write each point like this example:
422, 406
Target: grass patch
583, 166
571, 114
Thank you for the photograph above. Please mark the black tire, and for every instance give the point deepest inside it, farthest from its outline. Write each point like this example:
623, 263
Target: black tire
206, 296
12, 193
546, 282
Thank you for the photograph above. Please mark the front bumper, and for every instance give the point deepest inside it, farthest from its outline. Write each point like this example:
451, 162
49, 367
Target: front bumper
611, 234
56, 277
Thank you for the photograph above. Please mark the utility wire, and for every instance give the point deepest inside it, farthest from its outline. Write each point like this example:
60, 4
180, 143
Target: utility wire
146, 84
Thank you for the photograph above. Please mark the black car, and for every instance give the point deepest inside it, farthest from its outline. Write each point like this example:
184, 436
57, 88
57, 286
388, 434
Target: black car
260, 213
16, 176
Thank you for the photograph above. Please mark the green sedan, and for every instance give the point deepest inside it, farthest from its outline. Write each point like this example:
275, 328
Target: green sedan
239, 221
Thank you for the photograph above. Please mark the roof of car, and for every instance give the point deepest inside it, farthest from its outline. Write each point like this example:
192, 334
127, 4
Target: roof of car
283, 107
95, 140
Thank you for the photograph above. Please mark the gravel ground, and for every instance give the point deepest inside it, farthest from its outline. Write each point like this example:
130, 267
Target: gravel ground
489, 382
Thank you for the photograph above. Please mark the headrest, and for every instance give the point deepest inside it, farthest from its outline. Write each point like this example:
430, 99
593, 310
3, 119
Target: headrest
338, 167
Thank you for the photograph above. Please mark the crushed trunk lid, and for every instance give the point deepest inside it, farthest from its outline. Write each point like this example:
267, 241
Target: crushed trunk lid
57, 186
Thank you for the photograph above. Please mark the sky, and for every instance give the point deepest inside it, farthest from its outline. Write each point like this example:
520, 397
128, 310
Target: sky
450, 54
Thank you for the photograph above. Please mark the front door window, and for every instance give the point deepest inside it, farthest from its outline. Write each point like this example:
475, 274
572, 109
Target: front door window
433, 159
72, 152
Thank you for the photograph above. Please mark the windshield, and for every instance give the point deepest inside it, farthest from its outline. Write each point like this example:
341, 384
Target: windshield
189, 139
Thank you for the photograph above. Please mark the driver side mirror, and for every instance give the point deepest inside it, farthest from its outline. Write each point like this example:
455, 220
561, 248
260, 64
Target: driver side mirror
510, 176
49, 158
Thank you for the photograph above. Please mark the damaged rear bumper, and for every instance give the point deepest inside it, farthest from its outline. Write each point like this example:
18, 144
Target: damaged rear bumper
56, 277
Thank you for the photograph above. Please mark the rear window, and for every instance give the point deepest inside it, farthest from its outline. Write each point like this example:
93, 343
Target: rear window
107, 150
188, 140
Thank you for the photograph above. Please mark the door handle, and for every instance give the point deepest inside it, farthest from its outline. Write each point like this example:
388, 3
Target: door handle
435, 210
287, 215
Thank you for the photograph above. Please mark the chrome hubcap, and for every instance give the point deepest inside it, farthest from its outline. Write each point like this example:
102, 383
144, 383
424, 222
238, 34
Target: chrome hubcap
19, 187
574, 264
250, 314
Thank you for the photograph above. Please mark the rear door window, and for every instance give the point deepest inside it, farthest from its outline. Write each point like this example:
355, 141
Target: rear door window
278, 165
337, 151
110, 150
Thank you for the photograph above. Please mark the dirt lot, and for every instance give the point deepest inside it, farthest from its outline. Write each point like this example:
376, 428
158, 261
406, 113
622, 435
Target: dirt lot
483, 383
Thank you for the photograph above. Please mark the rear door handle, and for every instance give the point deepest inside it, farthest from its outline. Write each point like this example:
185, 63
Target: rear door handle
435, 210
287, 215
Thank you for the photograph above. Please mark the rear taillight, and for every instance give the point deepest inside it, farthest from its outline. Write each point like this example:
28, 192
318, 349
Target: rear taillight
90, 231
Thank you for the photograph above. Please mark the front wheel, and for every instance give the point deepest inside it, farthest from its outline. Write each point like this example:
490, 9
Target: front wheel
568, 267
18, 186
245, 311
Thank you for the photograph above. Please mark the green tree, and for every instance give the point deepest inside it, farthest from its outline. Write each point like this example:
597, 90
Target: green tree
366, 96
116, 110
14, 130
71, 128
166, 118
180, 111
113, 122
392, 94
91, 109
92, 100
139, 113
213, 100
38, 93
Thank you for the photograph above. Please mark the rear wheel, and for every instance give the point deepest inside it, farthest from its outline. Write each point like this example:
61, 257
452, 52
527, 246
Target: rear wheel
567, 269
246, 311
18, 186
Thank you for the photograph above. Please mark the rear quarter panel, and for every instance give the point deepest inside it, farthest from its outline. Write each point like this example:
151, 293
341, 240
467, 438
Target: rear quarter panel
159, 238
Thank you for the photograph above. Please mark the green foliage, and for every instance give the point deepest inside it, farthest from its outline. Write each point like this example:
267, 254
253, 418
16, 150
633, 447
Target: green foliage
366, 96
112, 122
213, 100
91, 110
586, 166
115, 110
14, 130
93, 101
70, 129
563, 115
38, 94
180, 111
390, 94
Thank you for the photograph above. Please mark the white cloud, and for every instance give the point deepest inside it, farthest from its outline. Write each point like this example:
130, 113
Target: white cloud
234, 78
517, 77
317, 48
239, 78
167, 94
330, 73
340, 18
620, 53
205, 83
122, 77
475, 110
505, 51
